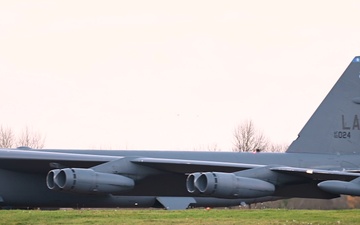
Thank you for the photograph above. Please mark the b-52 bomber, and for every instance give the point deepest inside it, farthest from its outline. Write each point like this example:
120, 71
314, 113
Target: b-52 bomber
322, 163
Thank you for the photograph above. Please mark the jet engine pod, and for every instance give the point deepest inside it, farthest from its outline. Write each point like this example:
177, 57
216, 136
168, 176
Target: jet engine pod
87, 181
341, 187
190, 183
228, 185
50, 182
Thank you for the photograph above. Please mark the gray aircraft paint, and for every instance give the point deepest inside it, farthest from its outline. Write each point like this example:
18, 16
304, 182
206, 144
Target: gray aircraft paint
334, 127
319, 164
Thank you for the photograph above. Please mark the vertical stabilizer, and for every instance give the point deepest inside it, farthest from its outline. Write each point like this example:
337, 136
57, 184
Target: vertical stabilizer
335, 126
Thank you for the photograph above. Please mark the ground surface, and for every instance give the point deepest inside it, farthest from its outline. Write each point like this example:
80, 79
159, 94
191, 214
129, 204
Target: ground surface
193, 216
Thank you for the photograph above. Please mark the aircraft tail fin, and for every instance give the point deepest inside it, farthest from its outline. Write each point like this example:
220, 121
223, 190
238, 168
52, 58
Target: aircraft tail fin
334, 128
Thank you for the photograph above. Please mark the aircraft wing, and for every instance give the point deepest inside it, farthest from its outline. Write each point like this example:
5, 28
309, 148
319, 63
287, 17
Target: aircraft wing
43, 161
254, 180
317, 174
190, 166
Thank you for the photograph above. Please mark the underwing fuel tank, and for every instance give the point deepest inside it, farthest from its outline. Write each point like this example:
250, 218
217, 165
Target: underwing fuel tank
341, 187
227, 185
87, 181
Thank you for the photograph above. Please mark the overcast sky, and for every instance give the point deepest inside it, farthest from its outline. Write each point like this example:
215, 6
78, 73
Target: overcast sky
169, 74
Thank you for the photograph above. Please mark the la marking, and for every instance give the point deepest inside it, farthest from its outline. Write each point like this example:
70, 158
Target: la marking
350, 123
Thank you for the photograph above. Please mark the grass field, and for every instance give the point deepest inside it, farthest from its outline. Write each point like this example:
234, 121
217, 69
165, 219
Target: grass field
193, 216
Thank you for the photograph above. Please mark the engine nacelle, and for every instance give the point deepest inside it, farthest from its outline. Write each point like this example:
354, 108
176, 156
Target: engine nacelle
87, 181
228, 185
340, 187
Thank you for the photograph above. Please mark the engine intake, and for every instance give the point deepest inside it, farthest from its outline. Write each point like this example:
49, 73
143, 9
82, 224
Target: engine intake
87, 181
227, 185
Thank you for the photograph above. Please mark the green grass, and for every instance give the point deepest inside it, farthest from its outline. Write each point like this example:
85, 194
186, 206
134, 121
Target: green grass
193, 216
